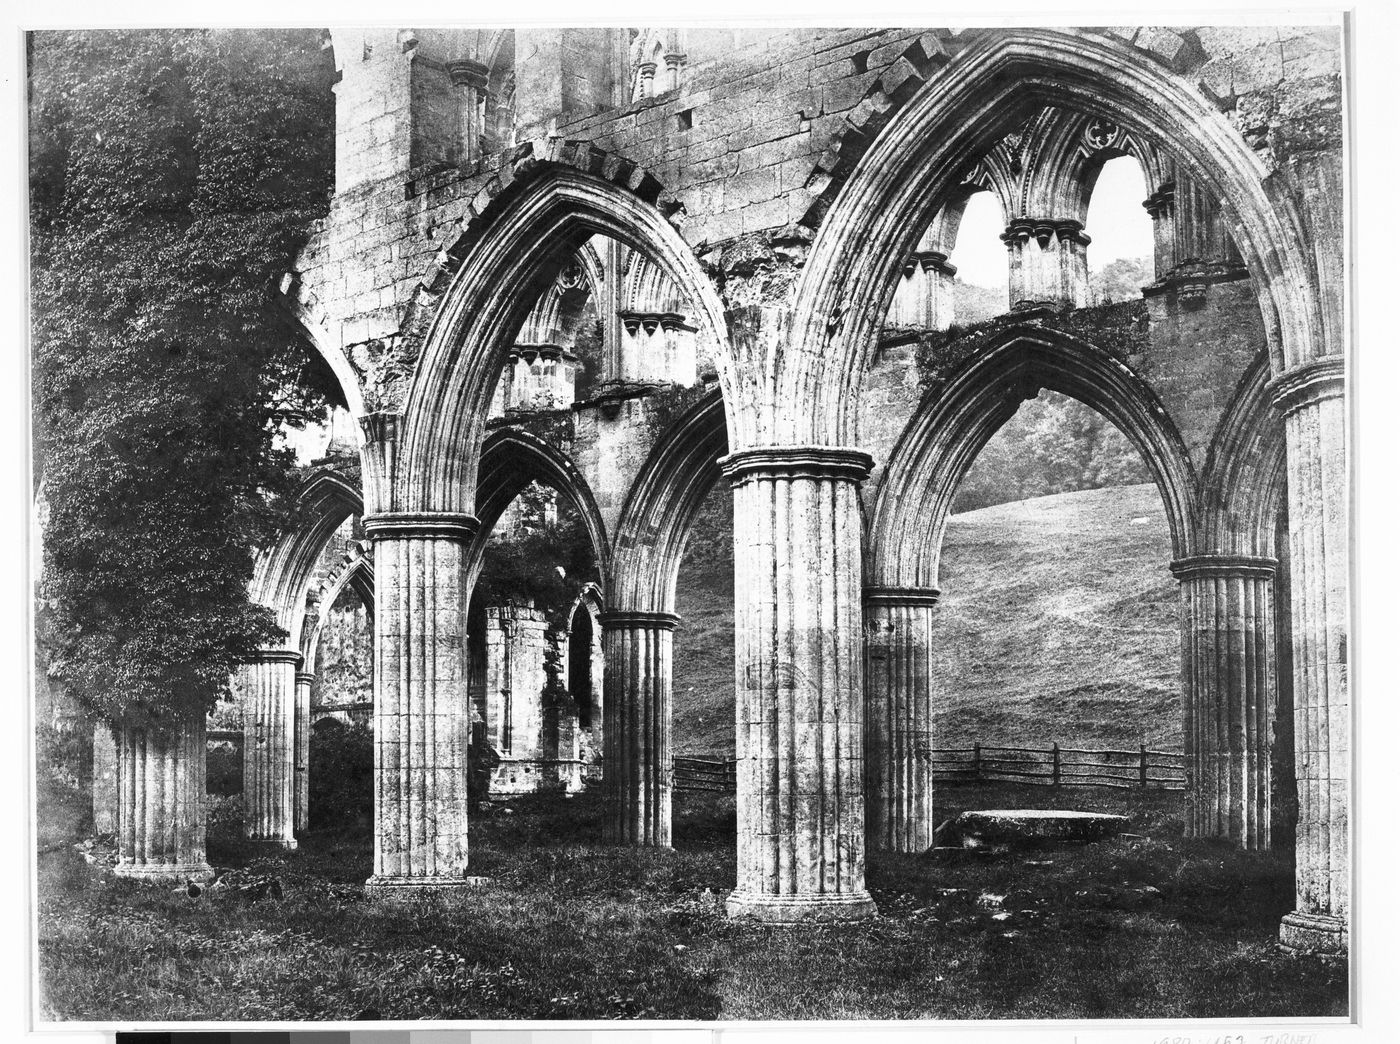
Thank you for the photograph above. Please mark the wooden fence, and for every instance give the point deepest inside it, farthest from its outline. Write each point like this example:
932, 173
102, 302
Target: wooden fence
1052, 766
1056, 766
703, 774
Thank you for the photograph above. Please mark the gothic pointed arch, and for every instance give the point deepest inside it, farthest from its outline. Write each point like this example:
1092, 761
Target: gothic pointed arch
510, 460
356, 575
661, 506
559, 194
914, 496
905, 174
284, 573
1242, 484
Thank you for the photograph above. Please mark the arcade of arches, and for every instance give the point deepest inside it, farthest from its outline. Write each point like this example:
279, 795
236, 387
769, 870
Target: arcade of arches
667, 259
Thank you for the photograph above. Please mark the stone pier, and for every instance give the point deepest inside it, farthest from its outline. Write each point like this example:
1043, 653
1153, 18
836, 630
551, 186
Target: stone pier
1310, 399
160, 802
898, 713
798, 691
1227, 647
421, 713
269, 748
637, 726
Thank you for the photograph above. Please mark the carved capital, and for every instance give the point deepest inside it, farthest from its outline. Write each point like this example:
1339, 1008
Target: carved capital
467, 73
901, 596
1313, 381
406, 525
380, 427
279, 656
788, 462
1066, 230
1162, 203
933, 261
618, 619
1226, 567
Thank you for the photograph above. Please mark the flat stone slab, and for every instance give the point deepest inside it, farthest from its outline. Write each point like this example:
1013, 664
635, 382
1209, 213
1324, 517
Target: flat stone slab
1025, 827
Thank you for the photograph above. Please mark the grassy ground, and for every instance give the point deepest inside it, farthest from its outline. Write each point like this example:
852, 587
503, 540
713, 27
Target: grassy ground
1058, 623
568, 928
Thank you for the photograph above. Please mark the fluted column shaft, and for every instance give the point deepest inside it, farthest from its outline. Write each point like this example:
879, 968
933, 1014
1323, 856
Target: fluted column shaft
269, 749
160, 801
421, 714
898, 716
303, 749
637, 726
1310, 400
1227, 645
797, 572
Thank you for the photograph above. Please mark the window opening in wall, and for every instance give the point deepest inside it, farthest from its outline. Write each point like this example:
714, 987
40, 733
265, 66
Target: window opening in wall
980, 288
684, 119
1120, 233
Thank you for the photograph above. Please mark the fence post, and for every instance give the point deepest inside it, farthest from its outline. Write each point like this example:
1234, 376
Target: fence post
1142, 766
977, 761
1055, 769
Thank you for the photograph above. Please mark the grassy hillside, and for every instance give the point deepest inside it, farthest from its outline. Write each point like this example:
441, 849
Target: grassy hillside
1058, 623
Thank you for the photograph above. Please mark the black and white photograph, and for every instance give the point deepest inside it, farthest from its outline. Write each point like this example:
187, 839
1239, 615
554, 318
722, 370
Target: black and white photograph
703, 524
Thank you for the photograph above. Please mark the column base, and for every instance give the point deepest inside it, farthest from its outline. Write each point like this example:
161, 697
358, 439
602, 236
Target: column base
165, 873
1312, 933
285, 843
383, 886
796, 909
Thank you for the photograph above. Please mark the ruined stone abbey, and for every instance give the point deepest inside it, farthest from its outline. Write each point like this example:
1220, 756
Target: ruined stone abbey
628, 265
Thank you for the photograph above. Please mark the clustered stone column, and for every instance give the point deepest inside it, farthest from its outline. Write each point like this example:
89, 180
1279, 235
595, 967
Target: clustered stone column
924, 299
898, 713
303, 749
536, 377
515, 683
470, 79
160, 803
269, 749
637, 726
1049, 263
656, 348
675, 62
646, 80
1191, 248
797, 573
1310, 400
1228, 623
421, 714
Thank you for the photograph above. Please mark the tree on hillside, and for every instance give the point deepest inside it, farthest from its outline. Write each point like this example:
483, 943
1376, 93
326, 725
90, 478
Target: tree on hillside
173, 175
976, 304
1120, 280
